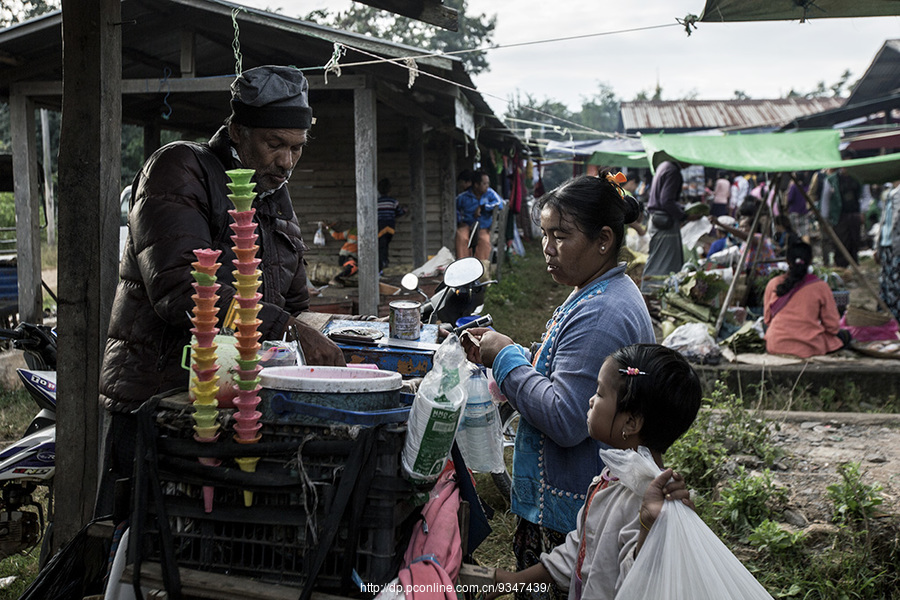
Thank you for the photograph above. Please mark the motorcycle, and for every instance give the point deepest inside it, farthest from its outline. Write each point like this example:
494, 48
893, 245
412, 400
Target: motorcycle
30, 461
460, 295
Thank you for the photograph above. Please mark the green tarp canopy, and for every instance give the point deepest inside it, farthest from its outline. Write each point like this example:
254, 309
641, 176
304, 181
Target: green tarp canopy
769, 153
637, 160
789, 10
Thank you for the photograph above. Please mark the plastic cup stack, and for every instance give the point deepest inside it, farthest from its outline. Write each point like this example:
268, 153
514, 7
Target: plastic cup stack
204, 384
246, 278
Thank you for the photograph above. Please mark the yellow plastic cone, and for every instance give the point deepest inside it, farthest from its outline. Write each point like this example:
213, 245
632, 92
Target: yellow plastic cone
248, 465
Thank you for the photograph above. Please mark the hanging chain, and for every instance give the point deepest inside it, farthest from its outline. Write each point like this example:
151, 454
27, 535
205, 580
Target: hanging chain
236, 43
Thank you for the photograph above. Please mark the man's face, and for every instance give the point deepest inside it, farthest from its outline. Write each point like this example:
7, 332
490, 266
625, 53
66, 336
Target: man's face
272, 153
480, 187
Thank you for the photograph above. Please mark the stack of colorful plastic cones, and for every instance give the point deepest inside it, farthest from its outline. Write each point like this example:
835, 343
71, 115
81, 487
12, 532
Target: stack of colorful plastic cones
246, 276
204, 380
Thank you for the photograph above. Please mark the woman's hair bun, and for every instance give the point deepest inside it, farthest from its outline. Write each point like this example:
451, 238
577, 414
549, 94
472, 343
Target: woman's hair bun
632, 210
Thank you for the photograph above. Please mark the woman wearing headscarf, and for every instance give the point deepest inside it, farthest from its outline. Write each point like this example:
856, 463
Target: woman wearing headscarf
800, 313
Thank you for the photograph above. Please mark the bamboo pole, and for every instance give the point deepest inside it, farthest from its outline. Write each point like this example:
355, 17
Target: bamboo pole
739, 270
826, 227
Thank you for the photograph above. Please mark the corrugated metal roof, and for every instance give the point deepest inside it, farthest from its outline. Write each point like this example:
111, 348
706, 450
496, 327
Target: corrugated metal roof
882, 78
691, 115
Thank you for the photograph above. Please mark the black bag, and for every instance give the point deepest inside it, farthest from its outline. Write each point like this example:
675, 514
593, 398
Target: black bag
661, 220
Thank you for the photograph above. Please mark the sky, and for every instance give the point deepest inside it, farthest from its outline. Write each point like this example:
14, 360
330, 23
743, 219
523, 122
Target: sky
764, 60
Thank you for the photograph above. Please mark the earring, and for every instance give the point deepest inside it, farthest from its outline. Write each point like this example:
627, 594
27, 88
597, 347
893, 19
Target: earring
602, 248
624, 435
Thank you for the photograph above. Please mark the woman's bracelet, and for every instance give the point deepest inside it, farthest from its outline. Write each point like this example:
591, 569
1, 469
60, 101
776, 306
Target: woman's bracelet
642, 522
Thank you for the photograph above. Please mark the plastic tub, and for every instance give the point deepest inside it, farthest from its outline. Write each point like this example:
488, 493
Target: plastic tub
346, 388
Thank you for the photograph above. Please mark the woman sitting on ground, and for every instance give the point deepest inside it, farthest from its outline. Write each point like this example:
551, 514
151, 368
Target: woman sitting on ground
800, 313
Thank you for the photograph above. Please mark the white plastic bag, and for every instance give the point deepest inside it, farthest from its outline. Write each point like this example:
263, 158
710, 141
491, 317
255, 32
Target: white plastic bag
682, 559
319, 238
695, 343
436, 412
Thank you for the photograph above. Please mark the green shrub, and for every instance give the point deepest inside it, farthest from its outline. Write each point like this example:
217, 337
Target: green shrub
746, 501
853, 500
772, 538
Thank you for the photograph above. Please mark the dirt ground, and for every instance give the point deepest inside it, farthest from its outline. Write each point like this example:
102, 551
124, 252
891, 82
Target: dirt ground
816, 443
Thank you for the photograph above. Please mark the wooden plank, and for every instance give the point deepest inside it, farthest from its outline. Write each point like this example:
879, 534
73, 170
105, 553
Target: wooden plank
427, 11
448, 194
417, 200
49, 204
177, 85
366, 147
217, 586
188, 53
89, 174
28, 233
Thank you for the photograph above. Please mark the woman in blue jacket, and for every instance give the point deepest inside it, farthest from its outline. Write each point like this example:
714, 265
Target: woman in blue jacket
583, 224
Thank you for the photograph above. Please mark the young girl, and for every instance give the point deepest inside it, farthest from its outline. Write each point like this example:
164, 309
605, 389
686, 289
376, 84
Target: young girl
647, 395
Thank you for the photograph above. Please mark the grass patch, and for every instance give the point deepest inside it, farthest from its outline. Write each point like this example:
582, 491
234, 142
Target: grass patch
526, 296
16, 411
24, 567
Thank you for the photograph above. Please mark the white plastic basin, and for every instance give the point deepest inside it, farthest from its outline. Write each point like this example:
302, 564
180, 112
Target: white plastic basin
315, 379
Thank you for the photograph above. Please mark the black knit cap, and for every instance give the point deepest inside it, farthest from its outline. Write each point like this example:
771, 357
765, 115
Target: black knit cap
271, 97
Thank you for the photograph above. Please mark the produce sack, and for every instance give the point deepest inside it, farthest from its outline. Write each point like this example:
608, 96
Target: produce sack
682, 559
435, 413
695, 343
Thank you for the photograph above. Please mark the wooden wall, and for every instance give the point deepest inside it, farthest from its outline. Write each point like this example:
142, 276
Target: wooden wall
323, 184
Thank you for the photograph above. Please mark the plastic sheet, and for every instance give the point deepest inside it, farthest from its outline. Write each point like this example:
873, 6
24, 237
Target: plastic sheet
695, 343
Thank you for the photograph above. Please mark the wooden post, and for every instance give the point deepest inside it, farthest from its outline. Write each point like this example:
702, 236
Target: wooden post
739, 271
364, 116
417, 192
49, 204
826, 227
448, 194
28, 232
89, 173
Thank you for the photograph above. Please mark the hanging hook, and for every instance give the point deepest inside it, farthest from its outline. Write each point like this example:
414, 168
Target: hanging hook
165, 82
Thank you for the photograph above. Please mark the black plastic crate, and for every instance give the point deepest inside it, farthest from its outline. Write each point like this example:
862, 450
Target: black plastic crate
296, 490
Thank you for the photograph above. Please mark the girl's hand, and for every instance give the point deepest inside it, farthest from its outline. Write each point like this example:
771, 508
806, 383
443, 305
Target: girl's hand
660, 490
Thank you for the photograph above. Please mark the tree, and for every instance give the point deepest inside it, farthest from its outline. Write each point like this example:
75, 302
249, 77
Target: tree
16, 11
600, 111
837, 88
475, 31
822, 90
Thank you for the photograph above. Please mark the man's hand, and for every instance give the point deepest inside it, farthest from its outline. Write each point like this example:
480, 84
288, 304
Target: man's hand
317, 348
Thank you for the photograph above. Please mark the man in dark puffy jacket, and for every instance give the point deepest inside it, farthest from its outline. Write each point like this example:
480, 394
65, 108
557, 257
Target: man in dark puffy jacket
180, 204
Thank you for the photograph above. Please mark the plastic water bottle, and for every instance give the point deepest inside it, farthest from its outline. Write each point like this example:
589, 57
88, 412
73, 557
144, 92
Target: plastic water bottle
479, 433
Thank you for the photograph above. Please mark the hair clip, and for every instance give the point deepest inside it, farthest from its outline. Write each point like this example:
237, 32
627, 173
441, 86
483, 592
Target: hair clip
631, 371
617, 179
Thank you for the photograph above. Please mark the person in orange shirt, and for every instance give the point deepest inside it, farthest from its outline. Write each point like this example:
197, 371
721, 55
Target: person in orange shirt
348, 258
799, 310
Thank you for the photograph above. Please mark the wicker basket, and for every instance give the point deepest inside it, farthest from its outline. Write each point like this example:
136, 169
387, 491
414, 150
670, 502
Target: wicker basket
860, 317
